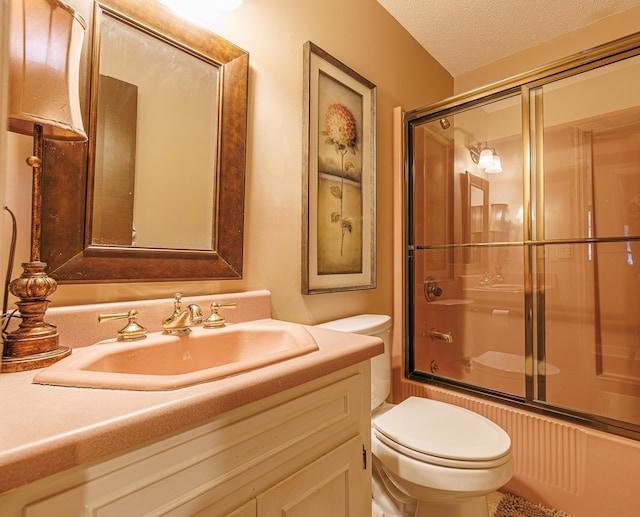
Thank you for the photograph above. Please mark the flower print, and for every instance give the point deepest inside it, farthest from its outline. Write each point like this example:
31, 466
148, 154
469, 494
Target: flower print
340, 130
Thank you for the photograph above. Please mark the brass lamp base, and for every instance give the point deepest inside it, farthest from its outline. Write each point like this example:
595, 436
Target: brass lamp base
33, 361
34, 344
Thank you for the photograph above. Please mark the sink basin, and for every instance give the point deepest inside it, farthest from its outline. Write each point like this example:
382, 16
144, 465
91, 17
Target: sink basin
162, 362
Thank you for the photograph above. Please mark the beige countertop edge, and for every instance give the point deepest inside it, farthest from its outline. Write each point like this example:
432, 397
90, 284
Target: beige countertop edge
61, 428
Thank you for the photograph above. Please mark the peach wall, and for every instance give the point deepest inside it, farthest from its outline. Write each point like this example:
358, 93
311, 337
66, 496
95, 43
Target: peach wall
603, 31
4, 72
362, 35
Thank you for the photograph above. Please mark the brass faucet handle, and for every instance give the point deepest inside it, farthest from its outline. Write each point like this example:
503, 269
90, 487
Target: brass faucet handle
132, 330
177, 302
214, 320
431, 289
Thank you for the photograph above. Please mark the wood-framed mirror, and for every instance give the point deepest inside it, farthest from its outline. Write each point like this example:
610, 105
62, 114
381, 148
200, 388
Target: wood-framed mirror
191, 171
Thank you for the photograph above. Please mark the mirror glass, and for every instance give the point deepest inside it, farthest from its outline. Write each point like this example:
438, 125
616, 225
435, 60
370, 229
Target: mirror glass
155, 142
158, 191
477, 213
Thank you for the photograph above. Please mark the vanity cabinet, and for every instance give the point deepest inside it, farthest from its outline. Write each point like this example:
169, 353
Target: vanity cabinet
303, 452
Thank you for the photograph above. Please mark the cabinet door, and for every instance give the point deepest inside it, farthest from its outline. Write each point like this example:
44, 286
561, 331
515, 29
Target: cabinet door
334, 485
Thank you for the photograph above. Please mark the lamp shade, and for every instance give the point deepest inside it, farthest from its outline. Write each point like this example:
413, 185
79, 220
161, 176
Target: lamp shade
486, 159
495, 167
44, 66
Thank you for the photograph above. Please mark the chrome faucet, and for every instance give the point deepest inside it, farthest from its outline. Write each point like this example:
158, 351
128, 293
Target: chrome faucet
181, 321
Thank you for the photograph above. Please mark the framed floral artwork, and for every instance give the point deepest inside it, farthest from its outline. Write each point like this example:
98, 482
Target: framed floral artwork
339, 176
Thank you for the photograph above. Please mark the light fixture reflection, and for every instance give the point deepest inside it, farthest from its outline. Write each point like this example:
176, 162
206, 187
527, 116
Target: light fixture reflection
486, 158
495, 167
201, 11
226, 5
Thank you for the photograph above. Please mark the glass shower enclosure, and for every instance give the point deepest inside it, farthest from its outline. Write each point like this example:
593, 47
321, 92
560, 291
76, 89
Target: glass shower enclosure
523, 239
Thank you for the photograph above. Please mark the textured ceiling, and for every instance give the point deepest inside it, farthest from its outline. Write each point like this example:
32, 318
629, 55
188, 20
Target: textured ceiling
466, 34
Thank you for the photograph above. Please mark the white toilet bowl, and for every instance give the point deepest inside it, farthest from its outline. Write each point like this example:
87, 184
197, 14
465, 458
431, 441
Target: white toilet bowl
446, 457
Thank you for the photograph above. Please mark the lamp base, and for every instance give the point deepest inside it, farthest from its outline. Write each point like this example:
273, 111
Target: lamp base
33, 361
34, 344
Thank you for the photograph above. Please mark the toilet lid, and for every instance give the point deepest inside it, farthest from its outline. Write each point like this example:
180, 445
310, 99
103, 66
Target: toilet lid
435, 429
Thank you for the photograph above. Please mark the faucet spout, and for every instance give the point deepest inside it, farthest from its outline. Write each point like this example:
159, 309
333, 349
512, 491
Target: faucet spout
181, 320
444, 336
196, 314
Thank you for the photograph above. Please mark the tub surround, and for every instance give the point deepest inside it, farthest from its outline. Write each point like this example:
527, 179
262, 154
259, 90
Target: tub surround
48, 429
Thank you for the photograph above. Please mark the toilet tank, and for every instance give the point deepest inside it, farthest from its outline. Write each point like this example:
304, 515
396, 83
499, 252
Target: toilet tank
378, 325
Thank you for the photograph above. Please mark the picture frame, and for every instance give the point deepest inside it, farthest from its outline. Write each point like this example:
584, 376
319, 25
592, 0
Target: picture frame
339, 176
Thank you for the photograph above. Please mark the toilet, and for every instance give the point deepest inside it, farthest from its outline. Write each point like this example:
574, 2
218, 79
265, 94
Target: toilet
444, 458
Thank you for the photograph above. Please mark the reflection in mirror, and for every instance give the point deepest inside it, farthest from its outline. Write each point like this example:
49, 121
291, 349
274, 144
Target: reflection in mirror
433, 213
475, 213
158, 193
141, 167
499, 222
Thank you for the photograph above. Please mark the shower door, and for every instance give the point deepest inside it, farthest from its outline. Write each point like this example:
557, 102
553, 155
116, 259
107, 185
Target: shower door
588, 166
467, 260
523, 210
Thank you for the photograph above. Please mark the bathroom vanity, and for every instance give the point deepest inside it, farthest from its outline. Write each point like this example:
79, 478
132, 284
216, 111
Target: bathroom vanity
291, 438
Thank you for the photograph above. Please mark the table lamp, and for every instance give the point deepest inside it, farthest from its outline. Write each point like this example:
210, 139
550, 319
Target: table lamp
45, 43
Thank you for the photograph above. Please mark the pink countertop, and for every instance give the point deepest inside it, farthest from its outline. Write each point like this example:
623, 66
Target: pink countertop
48, 429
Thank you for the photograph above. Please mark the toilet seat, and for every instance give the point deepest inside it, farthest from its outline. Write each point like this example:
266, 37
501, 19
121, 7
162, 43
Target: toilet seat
443, 434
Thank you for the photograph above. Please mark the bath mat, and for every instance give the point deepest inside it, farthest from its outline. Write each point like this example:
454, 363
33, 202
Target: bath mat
513, 506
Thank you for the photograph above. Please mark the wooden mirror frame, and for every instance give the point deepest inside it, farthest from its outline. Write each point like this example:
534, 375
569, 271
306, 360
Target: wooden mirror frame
71, 258
470, 181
